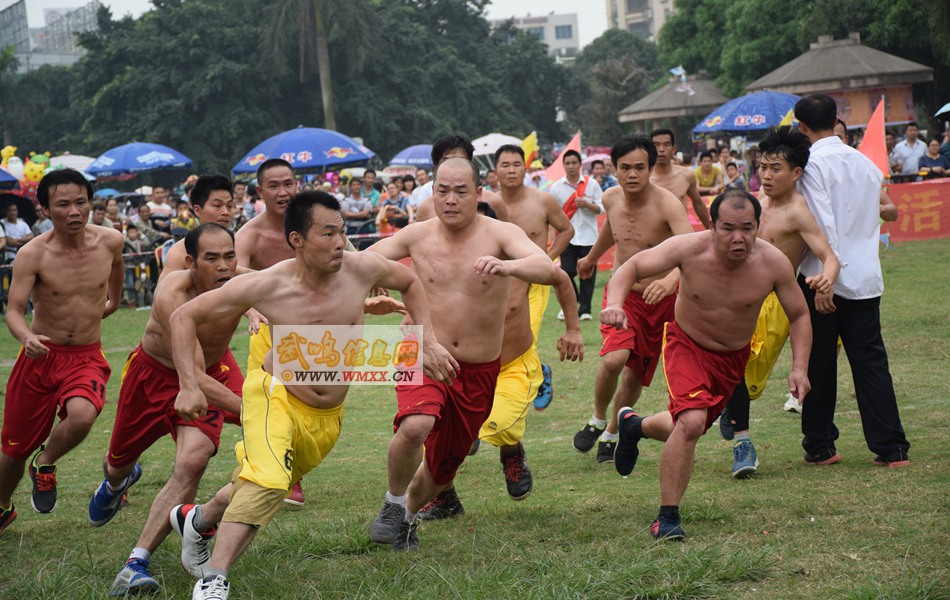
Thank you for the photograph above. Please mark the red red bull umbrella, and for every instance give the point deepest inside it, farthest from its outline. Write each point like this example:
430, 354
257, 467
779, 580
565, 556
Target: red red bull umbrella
308, 150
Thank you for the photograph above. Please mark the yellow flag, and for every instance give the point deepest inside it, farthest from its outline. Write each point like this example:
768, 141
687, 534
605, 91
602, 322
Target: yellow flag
788, 118
530, 147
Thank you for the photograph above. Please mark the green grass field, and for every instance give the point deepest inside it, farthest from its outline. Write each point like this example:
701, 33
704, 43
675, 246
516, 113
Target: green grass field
851, 530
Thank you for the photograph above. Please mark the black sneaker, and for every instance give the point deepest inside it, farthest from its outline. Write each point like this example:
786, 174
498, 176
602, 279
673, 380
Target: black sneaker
443, 506
8, 516
626, 453
517, 474
897, 459
726, 429
825, 456
605, 452
44, 485
667, 528
408, 539
585, 439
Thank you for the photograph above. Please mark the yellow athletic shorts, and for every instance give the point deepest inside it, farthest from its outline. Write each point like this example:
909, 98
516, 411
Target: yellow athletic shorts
517, 386
771, 331
538, 296
283, 437
258, 347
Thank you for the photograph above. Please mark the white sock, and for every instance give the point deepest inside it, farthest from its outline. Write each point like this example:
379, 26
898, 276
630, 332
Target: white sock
598, 423
140, 553
400, 500
410, 516
609, 437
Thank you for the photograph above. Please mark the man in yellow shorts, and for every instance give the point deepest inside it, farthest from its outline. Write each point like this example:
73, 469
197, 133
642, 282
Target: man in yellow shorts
286, 434
789, 226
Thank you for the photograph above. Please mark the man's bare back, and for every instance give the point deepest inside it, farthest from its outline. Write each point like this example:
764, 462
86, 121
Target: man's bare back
534, 212
68, 283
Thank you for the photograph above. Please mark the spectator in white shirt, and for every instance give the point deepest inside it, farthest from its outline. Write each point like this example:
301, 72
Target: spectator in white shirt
580, 198
842, 188
907, 154
17, 231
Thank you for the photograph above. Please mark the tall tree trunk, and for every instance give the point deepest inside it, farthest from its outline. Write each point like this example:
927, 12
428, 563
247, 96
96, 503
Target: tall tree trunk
323, 64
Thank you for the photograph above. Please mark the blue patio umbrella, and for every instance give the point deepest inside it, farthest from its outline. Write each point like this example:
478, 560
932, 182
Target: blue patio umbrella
135, 158
107, 192
7, 181
749, 114
419, 155
309, 150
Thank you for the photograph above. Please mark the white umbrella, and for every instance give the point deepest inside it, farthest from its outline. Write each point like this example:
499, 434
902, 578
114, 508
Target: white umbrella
945, 109
71, 161
493, 141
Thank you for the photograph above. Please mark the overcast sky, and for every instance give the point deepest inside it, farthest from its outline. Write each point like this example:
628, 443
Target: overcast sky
592, 16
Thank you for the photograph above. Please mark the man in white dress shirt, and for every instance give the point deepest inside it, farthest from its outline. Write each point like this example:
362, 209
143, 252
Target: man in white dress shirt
579, 197
842, 188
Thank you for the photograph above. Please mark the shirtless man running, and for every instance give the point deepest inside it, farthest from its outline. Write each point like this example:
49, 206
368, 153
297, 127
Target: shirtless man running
679, 180
640, 215
535, 212
787, 224
288, 430
466, 263
726, 275
146, 410
74, 274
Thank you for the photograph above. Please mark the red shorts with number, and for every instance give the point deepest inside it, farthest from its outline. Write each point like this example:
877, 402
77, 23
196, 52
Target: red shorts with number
459, 409
146, 410
698, 378
235, 383
643, 336
39, 386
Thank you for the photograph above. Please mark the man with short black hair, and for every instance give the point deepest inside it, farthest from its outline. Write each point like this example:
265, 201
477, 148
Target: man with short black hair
843, 190
580, 199
908, 152
17, 230
161, 212
681, 181
708, 175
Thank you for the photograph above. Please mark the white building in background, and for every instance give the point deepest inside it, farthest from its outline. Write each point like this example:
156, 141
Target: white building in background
52, 44
642, 17
558, 32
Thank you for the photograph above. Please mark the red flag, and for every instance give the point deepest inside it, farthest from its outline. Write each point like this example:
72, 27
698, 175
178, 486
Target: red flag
873, 145
556, 170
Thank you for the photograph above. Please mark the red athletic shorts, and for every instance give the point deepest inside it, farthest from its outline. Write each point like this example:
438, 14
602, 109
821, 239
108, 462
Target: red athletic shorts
459, 409
643, 336
39, 386
235, 383
699, 378
146, 410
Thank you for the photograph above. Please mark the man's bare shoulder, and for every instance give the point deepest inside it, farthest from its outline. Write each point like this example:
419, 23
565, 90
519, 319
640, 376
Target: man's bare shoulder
106, 236
663, 197
541, 195
685, 172
612, 195
773, 259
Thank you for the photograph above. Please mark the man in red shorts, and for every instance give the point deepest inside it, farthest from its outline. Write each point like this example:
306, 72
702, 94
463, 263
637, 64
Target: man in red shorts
640, 215
726, 274
146, 410
74, 273
464, 261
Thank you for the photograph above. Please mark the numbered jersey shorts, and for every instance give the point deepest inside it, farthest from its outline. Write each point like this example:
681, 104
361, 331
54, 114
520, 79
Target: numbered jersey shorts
771, 332
517, 386
38, 389
284, 439
146, 410
698, 378
643, 336
459, 409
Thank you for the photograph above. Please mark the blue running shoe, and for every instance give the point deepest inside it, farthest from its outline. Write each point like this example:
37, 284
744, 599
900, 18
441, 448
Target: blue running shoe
726, 429
667, 528
105, 504
745, 462
134, 579
545, 390
626, 451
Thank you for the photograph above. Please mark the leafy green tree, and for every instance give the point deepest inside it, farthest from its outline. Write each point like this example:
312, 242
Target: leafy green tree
316, 23
8, 66
610, 73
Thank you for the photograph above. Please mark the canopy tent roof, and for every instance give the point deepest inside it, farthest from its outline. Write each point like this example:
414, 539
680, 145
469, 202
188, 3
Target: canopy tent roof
667, 102
835, 65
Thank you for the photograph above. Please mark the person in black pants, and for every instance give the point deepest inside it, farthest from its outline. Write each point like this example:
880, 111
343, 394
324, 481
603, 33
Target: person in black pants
842, 188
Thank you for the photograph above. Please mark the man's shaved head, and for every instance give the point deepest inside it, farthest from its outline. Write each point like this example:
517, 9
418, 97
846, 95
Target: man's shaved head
456, 161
